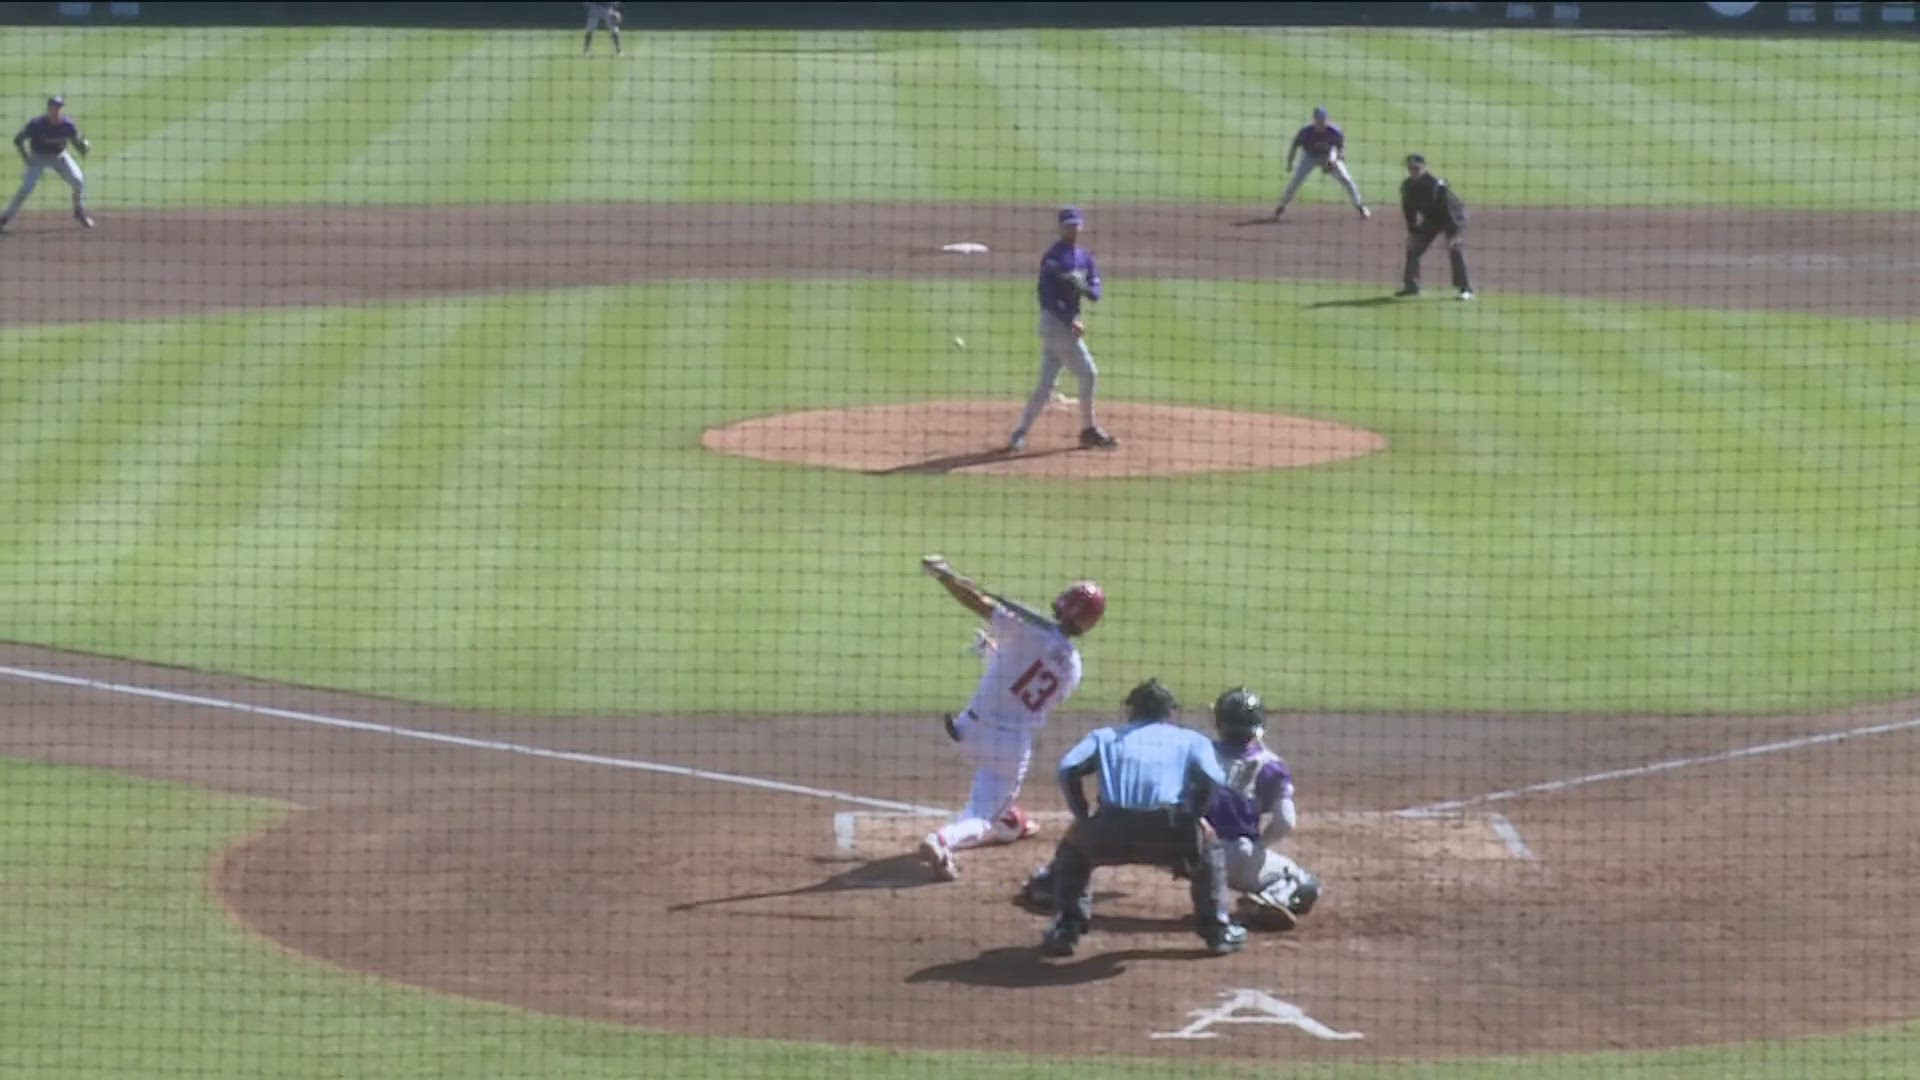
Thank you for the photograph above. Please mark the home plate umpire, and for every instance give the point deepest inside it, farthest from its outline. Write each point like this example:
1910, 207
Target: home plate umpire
1156, 779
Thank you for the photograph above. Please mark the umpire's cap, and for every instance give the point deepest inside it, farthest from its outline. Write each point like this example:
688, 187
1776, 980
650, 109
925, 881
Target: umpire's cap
1150, 701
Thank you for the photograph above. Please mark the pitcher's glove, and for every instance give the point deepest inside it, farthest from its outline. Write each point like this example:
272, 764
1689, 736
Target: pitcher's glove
1076, 280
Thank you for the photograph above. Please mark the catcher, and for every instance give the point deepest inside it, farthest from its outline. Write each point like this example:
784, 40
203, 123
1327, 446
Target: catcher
1320, 145
1259, 786
609, 16
1274, 889
1155, 778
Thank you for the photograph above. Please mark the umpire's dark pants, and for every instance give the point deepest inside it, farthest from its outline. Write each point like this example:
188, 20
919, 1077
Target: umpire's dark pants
1169, 837
1417, 245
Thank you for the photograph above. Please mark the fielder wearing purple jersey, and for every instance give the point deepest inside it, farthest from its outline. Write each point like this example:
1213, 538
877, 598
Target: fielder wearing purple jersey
1254, 811
42, 145
1320, 145
1067, 275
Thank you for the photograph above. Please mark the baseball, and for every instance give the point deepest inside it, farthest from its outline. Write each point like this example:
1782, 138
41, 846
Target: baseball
959, 343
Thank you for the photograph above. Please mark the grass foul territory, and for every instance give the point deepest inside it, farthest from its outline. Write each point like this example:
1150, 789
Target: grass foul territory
494, 516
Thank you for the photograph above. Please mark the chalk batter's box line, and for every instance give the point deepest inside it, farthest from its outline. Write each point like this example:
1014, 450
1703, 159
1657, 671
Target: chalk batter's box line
846, 826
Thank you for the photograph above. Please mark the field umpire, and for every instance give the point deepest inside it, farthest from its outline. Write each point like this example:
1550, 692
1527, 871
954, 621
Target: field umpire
1155, 780
1432, 209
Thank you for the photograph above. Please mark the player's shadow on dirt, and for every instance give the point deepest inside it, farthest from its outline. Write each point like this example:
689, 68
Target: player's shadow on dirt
1356, 301
951, 462
1020, 967
893, 872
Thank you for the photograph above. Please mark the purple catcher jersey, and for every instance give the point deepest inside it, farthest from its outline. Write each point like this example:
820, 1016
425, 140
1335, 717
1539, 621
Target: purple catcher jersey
1257, 779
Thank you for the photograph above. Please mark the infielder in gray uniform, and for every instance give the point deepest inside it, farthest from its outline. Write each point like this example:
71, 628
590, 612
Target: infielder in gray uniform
42, 144
1320, 145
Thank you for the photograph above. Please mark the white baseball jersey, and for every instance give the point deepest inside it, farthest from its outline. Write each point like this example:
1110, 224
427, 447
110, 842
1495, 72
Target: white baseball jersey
1035, 667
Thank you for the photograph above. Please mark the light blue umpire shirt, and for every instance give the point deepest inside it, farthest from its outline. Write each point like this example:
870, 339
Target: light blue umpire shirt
1144, 765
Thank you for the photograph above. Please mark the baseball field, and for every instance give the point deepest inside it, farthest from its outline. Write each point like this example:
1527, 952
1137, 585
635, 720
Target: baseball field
462, 598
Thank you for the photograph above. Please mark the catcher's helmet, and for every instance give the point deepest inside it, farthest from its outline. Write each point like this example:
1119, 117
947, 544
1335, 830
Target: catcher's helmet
1239, 715
1079, 607
1150, 701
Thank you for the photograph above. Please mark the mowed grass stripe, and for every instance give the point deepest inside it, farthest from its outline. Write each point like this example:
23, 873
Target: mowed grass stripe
1845, 134
243, 102
744, 140
107, 80
288, 397
339, 119
425, 158
406, 526
1236, 137
848, 119
536, 502
967, 137
636, 140
73, 394
263, 554
524, 144
1671, 137
1136, 110
114, 514
1076, 127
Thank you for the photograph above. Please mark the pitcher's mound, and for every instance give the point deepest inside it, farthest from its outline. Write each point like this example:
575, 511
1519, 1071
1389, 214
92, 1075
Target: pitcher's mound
971, 437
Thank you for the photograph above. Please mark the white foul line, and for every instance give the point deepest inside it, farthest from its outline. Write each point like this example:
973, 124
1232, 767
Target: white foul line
494, 745
1434, 809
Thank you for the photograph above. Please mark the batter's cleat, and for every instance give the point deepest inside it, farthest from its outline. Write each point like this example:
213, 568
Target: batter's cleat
1224, 940
1095, 439
1017, 442
3, 223
1466, 294
1408, 291
1059, 940
1016, 824
1277, 211
85, 221
935, 853
1365, 213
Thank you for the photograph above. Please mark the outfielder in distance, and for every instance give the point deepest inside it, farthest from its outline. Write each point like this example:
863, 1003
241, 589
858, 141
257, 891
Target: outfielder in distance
1067, 274
1032, 667
609, 16
1320, 145
42, 145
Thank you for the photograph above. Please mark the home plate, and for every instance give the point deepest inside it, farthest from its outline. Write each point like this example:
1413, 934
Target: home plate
967, 247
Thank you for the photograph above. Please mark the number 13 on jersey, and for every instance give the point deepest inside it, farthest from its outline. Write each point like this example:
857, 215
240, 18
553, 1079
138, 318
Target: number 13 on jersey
1035, 686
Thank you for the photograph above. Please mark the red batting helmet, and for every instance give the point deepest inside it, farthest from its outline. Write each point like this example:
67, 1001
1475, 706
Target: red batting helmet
1080, 606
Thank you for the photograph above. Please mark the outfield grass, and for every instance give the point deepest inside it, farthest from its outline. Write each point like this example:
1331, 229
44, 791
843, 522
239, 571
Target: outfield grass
115, 962
211, 116
502, 502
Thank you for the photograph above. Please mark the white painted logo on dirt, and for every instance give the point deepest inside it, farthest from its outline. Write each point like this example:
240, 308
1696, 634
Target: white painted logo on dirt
1254, 1007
